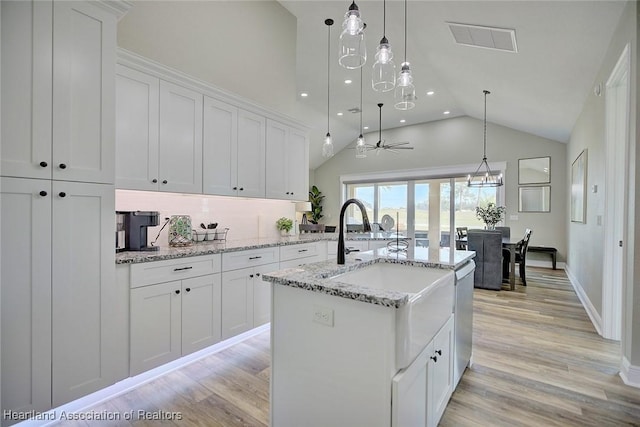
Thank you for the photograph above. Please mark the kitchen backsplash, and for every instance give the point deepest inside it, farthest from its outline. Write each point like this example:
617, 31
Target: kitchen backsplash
245, 218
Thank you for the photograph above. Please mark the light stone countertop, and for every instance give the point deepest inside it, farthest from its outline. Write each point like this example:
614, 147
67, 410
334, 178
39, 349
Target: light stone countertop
315, 277
219, 246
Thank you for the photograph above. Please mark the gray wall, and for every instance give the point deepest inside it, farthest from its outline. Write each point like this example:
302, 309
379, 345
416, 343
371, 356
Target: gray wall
458, 141
245, 47
585, 257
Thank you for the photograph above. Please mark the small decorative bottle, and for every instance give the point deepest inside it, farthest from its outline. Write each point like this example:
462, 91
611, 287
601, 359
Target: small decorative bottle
180, 230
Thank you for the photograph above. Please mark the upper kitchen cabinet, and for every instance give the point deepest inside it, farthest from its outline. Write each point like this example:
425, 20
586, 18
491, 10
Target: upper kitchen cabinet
158, 134
58, 90
233, 151
287, 159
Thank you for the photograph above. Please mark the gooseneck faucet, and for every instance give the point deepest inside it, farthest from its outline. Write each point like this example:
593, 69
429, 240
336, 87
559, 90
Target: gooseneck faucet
365, 223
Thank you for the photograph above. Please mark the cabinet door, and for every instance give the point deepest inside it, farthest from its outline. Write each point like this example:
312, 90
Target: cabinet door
409, 393
25, 275
137, 111
220, 148
180, 139
251, 154
298, 154
200, 312
25, 139
262, 294
83, 291
440, 380
237, 302
156, 339
277, 161
84, 37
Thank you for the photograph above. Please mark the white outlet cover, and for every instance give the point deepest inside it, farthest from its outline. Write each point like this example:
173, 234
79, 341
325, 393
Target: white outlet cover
513, 217
323, 315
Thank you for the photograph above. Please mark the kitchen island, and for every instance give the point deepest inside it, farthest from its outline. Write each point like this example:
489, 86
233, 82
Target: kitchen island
343, 350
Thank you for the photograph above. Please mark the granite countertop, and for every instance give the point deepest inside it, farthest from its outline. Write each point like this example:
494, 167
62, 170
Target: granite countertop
315, 277
218, 246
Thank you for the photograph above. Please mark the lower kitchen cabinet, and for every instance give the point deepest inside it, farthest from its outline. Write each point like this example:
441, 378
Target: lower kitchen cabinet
246, 299
172, 319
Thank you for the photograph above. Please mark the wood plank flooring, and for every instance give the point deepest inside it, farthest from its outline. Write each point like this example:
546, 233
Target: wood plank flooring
537, 362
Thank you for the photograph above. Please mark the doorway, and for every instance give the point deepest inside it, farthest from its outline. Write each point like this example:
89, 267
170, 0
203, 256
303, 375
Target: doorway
616, 204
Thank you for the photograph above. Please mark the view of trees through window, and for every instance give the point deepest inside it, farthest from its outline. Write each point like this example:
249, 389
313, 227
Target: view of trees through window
412, 203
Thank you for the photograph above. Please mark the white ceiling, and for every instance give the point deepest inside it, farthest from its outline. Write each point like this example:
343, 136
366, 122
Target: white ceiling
540, 90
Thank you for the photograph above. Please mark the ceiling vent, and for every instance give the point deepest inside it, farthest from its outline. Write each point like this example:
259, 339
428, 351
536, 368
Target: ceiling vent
503, 39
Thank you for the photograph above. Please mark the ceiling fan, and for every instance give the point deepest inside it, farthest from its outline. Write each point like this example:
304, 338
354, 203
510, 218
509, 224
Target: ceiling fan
381, 145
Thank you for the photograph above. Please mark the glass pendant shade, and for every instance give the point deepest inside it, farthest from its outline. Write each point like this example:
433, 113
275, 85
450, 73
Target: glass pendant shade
327, 147
352, 52
384, 70
361, 148
405, 90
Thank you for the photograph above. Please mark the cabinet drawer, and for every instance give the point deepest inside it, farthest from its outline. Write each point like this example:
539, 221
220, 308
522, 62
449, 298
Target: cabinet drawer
298, 251
293, 263
174, 269
250, 258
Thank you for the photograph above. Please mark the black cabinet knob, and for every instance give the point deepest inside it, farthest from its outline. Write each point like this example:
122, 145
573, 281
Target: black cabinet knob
155, 181
235, 188
434, 358
44, 164
287, 192
439, 352
43, 193
241, 189
188, 289
62, 194
164, 181
258, 274
251, 275
63, 166
177, 291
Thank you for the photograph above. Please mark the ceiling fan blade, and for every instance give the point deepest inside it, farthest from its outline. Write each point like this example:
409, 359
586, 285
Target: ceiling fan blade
402, 148
395, 144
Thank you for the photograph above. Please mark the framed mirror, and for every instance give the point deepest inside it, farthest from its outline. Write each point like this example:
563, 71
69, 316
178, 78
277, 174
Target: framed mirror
536, 170
534, 199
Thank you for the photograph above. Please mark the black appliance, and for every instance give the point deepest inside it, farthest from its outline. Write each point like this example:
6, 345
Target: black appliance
135, 228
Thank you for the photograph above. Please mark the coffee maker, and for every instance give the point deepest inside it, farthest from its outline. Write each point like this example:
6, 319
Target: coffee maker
135, 225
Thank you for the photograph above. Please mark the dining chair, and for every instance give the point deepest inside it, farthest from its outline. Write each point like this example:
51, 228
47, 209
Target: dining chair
521, 257
462, 233
506, 231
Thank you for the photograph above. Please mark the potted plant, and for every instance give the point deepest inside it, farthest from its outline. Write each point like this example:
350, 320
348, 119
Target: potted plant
315, 197
284, 225
491, 215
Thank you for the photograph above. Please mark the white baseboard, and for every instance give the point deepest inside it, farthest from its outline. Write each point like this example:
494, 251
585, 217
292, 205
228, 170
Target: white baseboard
630, 374
593, 314
52, 417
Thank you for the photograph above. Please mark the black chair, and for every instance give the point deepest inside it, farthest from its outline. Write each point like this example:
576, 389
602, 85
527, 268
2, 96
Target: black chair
521, 257
487, 246
462, 234
506, 231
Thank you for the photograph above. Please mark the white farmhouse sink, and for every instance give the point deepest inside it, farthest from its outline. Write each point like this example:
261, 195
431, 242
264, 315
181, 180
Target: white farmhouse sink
431, 298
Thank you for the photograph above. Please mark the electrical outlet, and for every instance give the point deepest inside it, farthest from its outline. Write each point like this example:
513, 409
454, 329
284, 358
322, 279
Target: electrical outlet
323, 315
513, 217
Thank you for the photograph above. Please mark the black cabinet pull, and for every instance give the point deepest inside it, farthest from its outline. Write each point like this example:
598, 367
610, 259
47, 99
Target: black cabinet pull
255, 257
43, 164
62, 194
434, 358
177, 291
251, 275
302, 250
155, 181
235, 188
43, 193
63, 166
439, 352
164, 181
241, 189
257, 274
182, 268
188, 289
287, 192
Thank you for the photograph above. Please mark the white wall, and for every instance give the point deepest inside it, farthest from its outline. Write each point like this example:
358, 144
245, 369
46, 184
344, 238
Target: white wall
245, 47
458, 141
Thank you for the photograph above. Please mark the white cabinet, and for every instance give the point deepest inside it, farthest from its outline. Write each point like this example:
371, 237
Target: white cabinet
58, 297
286, 161
58, 91
305, 253
158, 134
175, 309
233, 151
440, 376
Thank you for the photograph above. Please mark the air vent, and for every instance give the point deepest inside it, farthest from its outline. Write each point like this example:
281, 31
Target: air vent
503, 39
354, 110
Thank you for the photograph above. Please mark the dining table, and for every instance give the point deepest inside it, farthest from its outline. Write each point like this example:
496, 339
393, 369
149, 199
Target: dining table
509, 243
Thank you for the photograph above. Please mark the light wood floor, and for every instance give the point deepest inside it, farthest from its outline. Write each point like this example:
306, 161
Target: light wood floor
537, 362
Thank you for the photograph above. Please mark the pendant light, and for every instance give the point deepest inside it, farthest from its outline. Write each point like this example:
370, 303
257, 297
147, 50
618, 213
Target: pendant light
483, 177
383, 78
327, 147
405, 90
361, 146
352, 52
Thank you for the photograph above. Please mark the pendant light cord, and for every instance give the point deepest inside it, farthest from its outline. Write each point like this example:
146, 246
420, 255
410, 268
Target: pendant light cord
360, 100
328, 69
485, 125
384, 19
380, 124
405, 30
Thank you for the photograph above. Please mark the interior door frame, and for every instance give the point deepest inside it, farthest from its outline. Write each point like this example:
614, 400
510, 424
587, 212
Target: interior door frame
617, 113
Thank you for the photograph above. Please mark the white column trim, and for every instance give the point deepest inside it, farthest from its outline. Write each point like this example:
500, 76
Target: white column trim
629, 373
593, 314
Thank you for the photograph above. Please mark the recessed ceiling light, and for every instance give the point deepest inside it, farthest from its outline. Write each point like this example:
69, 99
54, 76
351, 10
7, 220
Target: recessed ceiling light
430, 93
365, 128
340, 113
304, 94
348, 82
402, 121
447, 112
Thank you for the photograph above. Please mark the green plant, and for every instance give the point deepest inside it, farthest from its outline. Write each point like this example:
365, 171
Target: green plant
491, 215
315, 197
285, 224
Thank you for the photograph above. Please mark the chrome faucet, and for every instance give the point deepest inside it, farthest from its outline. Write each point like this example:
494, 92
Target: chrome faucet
365, 223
